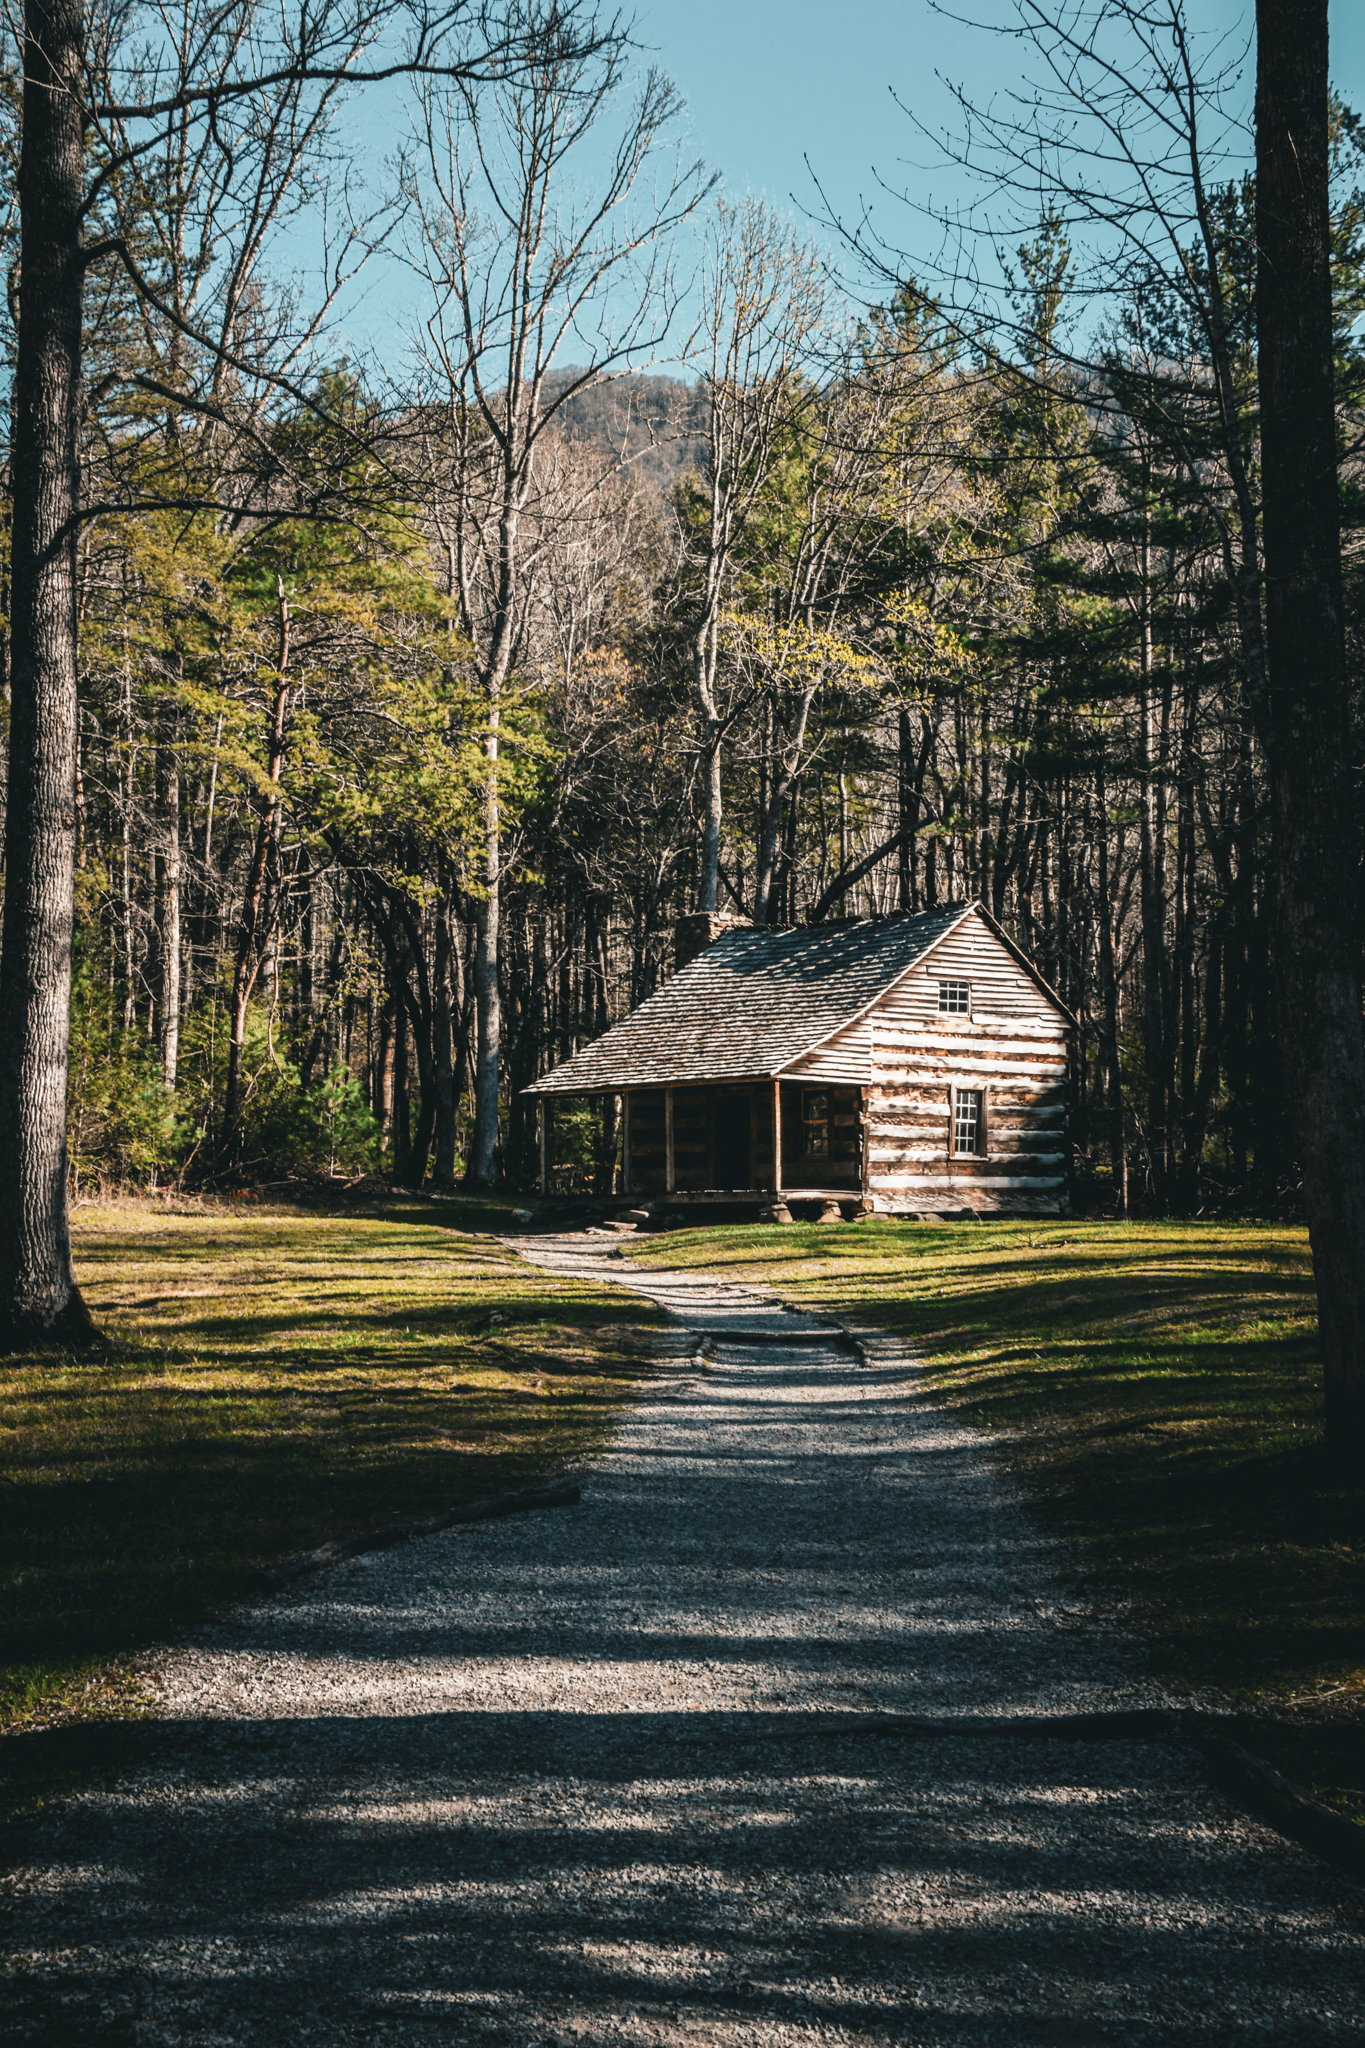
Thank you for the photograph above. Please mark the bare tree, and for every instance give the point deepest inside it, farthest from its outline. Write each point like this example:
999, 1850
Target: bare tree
521, 270
761, 329
101, 96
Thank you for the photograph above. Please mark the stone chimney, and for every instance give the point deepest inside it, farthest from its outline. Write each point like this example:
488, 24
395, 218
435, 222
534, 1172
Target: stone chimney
695, 932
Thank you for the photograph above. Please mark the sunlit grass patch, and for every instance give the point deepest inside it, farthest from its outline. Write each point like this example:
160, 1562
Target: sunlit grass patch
1158, 1385
272, 1380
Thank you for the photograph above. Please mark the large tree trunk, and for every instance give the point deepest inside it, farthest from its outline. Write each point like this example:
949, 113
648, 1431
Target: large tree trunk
482, 1170
448, 994
168, 895
712, 788
1316, 839
248, 961
1110, 1055
39, 1299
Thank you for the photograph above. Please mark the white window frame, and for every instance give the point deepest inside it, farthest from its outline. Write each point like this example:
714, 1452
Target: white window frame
983, 1119
953, 981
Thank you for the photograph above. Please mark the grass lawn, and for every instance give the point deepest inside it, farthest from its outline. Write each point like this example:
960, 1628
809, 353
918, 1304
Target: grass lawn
1157, 1385
273, 1379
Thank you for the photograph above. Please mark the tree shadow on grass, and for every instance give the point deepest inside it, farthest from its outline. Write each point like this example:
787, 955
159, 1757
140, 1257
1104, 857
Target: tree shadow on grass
224, 1431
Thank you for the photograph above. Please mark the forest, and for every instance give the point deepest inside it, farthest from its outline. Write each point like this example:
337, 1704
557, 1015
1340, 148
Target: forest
678, 552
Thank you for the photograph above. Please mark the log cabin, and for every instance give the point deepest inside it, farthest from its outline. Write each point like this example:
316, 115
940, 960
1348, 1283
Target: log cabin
904, 1065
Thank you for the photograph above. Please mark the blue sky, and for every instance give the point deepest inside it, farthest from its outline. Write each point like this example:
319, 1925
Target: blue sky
769, 84
780, 95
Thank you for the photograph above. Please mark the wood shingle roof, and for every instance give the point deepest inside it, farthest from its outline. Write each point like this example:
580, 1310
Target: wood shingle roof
752, 1003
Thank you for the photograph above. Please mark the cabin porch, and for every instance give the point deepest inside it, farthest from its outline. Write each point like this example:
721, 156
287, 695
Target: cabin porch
715, 1142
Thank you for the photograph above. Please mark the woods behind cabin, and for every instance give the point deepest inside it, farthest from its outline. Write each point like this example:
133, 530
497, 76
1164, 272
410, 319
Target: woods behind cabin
420, 696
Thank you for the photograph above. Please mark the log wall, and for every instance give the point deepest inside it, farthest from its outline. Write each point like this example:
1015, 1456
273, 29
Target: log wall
1013, 1047
890, 1078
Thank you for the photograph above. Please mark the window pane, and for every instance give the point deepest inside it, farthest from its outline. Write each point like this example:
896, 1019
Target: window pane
955, 998
967, 1120
815, 1124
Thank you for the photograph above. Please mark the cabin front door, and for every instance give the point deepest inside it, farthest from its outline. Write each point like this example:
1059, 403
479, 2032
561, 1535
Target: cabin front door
731, 1138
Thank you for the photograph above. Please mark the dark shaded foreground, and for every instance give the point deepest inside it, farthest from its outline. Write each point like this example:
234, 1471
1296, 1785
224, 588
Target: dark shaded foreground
575, 1779
474, 1877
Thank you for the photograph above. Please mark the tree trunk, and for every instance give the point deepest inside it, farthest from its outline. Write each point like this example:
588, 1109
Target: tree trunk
402, 1132
168, 894
417, 1144
1153, 944
1316, 850
708, 887
448, 994
482, 1171
907, 808
39, 1299
1110, 1054
383, 1112
248, 959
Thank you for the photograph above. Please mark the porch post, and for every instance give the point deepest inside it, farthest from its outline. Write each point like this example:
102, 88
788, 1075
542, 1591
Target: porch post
669, 1180
777, 1137
626, 1185
543, 1118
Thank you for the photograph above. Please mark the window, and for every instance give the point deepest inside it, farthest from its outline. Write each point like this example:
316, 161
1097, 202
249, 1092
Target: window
967, 1120
814, 1123
955, 998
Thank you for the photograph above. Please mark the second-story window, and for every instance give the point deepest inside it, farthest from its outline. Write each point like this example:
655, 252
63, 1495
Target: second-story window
955, 998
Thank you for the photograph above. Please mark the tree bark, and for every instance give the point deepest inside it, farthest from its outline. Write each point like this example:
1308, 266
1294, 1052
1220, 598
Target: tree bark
39, 1299
1318, 988
1153, 936
448, 996
713, 800
248, 961
1110, 1054
482, 1170
168, 895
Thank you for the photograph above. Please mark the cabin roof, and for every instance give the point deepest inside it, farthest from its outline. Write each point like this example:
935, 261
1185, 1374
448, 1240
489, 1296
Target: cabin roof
754, 1001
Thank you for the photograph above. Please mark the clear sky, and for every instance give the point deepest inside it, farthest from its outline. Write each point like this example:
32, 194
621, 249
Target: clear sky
782, 92
771, 84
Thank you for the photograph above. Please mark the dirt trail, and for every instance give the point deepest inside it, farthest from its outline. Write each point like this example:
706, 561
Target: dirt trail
575, 1778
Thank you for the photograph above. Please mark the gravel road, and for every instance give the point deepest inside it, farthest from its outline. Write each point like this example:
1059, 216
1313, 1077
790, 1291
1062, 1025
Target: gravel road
586, 1777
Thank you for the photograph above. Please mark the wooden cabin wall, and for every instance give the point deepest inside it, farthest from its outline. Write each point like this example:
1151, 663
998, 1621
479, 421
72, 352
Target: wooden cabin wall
845, 1058
703, 1120
647, 1142
1000, 986
761, 1135
1013, 1047
692, 1167
840, 1166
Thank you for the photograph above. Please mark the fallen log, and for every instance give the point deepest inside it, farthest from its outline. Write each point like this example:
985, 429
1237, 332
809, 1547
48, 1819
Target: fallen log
491, 1509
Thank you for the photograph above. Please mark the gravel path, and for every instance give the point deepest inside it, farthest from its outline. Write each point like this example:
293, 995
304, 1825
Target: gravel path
564, 1780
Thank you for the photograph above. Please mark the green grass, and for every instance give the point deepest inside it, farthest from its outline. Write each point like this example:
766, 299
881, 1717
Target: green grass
272, 1380
1157, 1385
